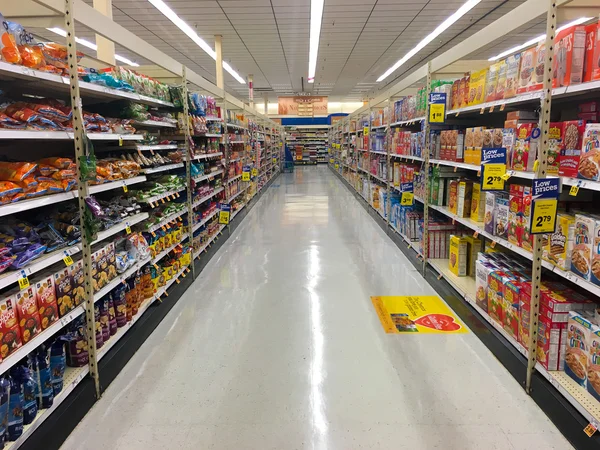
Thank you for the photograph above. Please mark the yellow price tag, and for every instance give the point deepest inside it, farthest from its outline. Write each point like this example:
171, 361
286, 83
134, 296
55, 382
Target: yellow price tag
254, 172
274, 160
437, 112
506, 176
543, 216
23, 282
120, 141
536, 164
331, 160
125, 188
366, 131
590, 430
407, 199
162, 200
68, 260
574, 190
245, 176
492, 177
128, 229
502, 107
224, 217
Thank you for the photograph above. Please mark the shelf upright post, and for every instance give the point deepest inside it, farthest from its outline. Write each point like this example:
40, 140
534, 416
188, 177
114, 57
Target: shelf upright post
426, 131
546, 103
80, 142
188, 169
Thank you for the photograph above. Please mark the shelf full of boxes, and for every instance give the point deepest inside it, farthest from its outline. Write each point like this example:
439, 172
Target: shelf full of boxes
95, 235
480, 241
307, 144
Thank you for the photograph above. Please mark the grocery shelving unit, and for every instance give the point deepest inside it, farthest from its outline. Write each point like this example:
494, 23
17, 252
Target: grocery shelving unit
307, 144
567, 403
195, 222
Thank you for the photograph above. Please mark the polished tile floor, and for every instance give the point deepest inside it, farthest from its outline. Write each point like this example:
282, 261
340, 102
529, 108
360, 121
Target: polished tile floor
277, 346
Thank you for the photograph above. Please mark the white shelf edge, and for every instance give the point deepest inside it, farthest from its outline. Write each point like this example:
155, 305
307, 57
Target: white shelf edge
158, 198
166, 220
207, 197
162, 168
207, 177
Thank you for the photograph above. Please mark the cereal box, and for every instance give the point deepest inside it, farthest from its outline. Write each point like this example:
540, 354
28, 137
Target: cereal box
560, 243
593, 368
464, 193
510, 307
589, 165
570, 154
491, 82
537, 80
46, 301
490, 212
513, 75
458, 256
501, 84
569, 52
579, 330
590, 43
473, 249
548, 348
9, 327
525, 149
483, 268
477, 203
501, 216
453, 196
555, 143
27, 312
64, 291
583, 240
496, 283
526, 71
477, 87
515, 214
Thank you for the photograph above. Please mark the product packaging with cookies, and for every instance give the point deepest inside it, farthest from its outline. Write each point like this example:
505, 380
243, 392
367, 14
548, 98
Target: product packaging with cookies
64, 291
46, 300
589, 165
583, 240
27, 312
78, 282
579, 330
10, 334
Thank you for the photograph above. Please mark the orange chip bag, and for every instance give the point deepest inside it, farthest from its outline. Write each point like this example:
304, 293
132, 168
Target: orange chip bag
16, 171
63, 174
55, 161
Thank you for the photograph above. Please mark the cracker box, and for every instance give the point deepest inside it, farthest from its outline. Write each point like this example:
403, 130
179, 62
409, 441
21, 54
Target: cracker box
477, 87
579, 331
593, 368
590, 44
64, 291
525, 148
583, 240
501, 216
46, 301
9, 327
570, 154
489, 218
559, 245
513, 74
589, 165
548, 346
27, 312
477, 203
458, 256
464, 195
78, 282
569, 53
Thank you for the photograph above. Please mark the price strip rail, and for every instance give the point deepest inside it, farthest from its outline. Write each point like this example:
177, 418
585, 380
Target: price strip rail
207, 176
166, 221
231, 180
207, 155
207, 197
162, 168
162, 197
9, 278
206, 219
151, 148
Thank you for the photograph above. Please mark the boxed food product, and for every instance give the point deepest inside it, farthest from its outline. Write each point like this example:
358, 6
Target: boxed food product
477, 203
453, 196
537, 80
491, 82
510, 307
489, 218
515, 214
473, 249
501, 216
508, 142
593, 368
46, 301
64, 291
590, 45
579, 331
464, 194
560, 243
455, 98
9, 327
555, 145
583, 240
570, 154
549, 346
27, 311
589, 165
458, 256
501, 85
78, 282
483, 269
525, 149
477, 144
465, 83
527, 70
513, 75
477, 87
569, 53
496, 284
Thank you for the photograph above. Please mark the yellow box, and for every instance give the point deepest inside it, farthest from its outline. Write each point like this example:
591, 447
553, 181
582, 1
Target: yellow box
477, 203
458, 255
477, 87
464, 196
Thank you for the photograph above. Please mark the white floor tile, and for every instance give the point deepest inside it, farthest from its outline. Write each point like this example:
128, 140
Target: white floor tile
277, 346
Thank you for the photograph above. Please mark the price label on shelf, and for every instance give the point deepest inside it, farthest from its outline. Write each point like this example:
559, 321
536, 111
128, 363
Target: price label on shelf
274, 160
574, 191
125, 188
120, 141
254, 172
408, 199
366, 131
590, 430
545, 192
337, 166
67, 259
331, 160
493, 169
245, 176
127, 228
224, 214
23, 281
437, 107
502, 106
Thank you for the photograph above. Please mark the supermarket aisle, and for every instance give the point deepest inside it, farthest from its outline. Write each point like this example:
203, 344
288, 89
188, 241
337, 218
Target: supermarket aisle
277, 346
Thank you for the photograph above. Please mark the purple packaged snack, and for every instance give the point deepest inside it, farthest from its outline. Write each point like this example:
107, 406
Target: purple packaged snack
120, 304
24, 258
99, 334
104, 317
112, 318
94, 206
77, 348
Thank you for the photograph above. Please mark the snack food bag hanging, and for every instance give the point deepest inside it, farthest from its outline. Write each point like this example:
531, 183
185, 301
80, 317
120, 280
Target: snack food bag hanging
15, 409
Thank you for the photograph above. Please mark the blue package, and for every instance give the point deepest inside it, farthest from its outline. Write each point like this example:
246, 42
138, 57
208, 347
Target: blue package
15, 409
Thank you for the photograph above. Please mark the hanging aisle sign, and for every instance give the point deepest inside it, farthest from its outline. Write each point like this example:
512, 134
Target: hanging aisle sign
437, 107
544, 205
493, 169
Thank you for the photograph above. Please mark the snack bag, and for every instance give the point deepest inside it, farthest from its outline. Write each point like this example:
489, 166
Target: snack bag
56, 54
8, 43
46, 300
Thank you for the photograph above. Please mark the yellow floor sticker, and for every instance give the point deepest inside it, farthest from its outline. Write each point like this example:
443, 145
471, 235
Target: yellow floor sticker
416, 314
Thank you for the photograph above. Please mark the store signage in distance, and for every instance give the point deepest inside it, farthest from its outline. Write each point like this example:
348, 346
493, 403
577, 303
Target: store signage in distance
544, 205
224, 214
493, 169
437, 107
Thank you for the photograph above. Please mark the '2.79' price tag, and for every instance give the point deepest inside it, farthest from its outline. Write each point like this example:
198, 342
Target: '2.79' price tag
543, 215
492, 177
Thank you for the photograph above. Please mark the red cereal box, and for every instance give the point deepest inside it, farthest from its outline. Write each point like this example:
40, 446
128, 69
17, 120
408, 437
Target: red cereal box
596, 57
570, 153
46, 301
590, 44
510, 308
27, 312
569, 51
9, 327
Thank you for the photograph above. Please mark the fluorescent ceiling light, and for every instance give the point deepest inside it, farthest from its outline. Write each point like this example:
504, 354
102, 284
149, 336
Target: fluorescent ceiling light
91, 45
316, 16
534, 41
170, 14
430, 37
